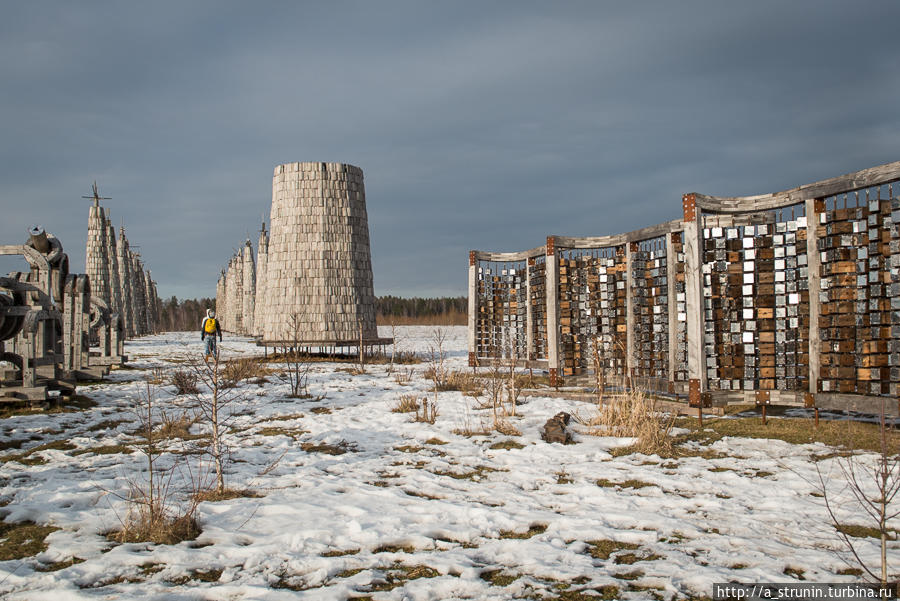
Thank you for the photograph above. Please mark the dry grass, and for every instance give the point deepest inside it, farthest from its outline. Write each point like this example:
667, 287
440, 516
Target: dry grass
633, 415
408, 403
404, 376
236, 371
226, 495
22, 539
503, 426
464, 381
143, 525
533, 530
844, 433
175, 427
506, 445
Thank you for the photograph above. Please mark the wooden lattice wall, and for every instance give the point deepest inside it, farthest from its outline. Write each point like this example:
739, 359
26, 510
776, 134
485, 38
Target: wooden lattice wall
789, 298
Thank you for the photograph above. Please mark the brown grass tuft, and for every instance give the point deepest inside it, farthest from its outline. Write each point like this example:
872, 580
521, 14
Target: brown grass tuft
633, 415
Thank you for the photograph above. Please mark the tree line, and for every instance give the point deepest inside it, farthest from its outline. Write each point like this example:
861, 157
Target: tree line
185, 315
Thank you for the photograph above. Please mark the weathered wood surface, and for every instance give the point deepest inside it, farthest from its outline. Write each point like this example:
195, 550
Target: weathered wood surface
510, 257
851, 182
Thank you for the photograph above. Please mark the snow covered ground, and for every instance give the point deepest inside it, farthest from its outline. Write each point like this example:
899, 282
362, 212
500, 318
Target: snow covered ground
412, 510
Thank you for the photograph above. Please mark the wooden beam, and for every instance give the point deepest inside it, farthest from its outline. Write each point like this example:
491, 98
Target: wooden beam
813, 277
629, 314
671, 306
693, 284
473, 302
552, 288
874, 176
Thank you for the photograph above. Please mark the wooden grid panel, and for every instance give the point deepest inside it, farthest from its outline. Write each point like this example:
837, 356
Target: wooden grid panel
538, 300
860, 296
500, 325
756, 304
680, 335
650, 300
592, 310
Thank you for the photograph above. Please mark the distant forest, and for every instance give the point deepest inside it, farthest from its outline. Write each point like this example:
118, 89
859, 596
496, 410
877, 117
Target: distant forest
180, 315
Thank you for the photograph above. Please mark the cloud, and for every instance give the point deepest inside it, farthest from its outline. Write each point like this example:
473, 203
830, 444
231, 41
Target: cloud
478, 125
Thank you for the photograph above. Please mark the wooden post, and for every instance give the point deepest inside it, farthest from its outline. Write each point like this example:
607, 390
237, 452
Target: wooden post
529, 314
473, 306
552, 287
813, 208
671, 308
693, 284
629, 315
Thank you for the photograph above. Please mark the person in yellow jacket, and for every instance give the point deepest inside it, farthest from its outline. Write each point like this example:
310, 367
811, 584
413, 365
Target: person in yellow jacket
208, 330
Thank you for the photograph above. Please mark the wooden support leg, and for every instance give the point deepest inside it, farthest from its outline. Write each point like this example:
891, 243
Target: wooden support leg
700, 415
764, 415
817, 416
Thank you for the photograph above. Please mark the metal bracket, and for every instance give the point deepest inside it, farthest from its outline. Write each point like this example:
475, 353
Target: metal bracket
531, 261
694, 399
689, 204
551, 246
762, 397
473, 361
554, 377
472, 260
809, 400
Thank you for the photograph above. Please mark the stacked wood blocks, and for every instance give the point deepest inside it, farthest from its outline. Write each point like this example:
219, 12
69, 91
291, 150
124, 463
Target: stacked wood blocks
679, 337
756, 306
500, 325
592, 309
650, 302
859, 296
538, 281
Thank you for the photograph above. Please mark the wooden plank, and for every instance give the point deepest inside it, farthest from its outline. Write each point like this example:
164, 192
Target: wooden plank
647, 233
629, 312
552, 288
873, 176
473, 305
813, 264
693, 280
529, 314
672, 306
481, 255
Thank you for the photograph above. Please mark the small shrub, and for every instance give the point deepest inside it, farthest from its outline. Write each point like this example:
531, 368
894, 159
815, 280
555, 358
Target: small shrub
503, 426
429, 411
408, 403
146, 525
236, 371
185, 382
403, 376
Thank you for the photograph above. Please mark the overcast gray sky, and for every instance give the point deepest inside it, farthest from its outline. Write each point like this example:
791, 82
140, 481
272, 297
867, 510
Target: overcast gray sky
478, 125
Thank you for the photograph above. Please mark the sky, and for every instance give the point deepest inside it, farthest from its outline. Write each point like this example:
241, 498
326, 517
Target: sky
478, 124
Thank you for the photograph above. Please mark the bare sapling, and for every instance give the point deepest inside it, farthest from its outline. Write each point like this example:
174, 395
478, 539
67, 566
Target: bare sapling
152, 515
869, 490
600, 380
437, 356
218, 408
512, 391
361, 363
297, 364
396, 339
